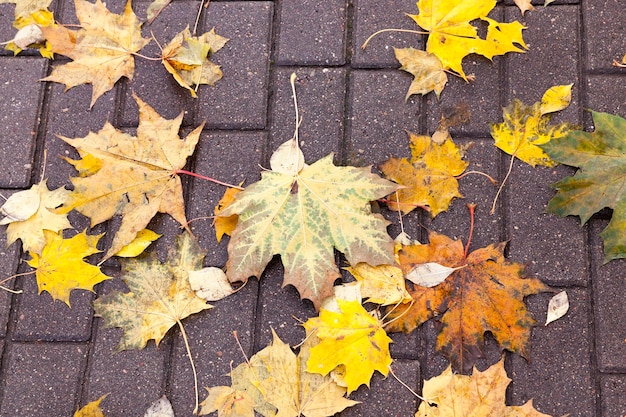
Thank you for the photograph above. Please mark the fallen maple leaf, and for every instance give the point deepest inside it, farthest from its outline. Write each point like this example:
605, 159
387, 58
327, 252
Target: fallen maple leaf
426, 69
452, 37
428, 177
25, 8
186, 58
485, 295
135, 177
159, 297
352, 338
225, 225
29, 31
92, 409
382, 284
228, 402
60, 268
526, 127
102, 51
302, 217
481, 394
600, 182
29, 212
135, 248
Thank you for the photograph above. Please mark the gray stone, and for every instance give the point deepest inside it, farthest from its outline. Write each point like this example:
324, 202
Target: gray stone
609, 309
605, 94
603, 21
612, 388
9, 264
558, 375
321, 98
312, 33
239, 100
43, 379
373, 15
20, 108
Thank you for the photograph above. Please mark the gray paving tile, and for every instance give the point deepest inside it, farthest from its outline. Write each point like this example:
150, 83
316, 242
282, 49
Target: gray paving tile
609, 309
612, 389
19, 117
312, 33
232, 157
133, 379
603, 19
379, 116
552, 58
9, 263
558, 376
374, 15
43, 379
605, 93
213, 347
151, 82
553, 248
321, 100
41, 318
386, 396
239, 100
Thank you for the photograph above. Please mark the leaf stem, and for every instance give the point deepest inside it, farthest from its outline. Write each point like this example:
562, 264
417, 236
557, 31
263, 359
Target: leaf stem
506, 177
292, 80
406, 386
193, 366
417, 32
193, 174
146, 57
385, 200
489, 177
14, 276
471, 208
396, 318
236, 336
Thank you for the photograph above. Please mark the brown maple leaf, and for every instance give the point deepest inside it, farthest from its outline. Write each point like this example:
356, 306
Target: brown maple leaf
135, 177
485, 295
102, 51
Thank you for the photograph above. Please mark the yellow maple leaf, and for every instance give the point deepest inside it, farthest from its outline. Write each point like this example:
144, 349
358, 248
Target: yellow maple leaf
429, 177
452, 37
352, 338
61, 267
135, 177
525, 127
101, 52
92, 409
382, 284
426, 69
228, 402
458, 302
25, 8
186, 58
135, 248
481, 394
225, 225
29, 31
29, 212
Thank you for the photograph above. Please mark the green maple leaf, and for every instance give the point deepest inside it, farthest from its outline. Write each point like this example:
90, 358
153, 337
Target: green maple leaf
159, 297
601, 180
302, 217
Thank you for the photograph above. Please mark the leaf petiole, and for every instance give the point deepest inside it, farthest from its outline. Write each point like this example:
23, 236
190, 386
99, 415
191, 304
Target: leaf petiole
193, 174
417, 32
193, 366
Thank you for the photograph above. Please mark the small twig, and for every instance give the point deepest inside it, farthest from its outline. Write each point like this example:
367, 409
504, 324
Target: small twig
292, 80
396, 318
406, 386
506, 177
241, 347
471, 208
489, 177
417, 32
193, 174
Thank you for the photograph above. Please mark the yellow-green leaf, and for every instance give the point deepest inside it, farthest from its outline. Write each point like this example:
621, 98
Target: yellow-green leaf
135, 248
61, 267
352, 338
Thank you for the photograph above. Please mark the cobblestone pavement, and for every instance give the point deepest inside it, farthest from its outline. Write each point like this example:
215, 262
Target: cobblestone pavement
56, 359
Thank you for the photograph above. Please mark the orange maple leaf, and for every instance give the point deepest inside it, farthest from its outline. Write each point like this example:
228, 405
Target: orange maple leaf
486, 295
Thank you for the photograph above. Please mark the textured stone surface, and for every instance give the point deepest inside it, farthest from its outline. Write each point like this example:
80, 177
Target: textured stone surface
303, 43
42, 379
19, 117
604, 20
612, 389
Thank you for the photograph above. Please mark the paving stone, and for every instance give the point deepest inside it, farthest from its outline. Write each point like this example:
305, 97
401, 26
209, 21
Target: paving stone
321, 103
386, 396
476, 189
603, 20
232, 157
239, 100
613, 394
134, 379
552, 248
213, 346
379, 117
552, 58
41, 318
558, 375
151, 82
609, 309
605, 93
43, 379
312, 33
19, 117
9, 263
374, 15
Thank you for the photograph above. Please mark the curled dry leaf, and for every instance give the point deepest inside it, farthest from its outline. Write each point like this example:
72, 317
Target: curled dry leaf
160, 408
350, 291
430, 274
31, 211
287, 158
210, 283
61, 267
557, 307
428, 177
